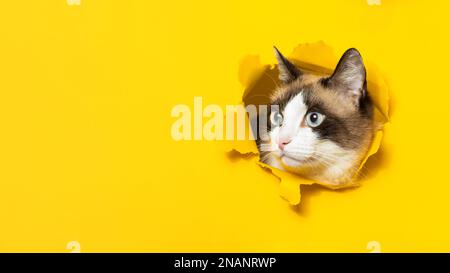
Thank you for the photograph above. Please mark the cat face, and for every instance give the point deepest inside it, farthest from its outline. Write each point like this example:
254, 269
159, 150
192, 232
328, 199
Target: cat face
323, 126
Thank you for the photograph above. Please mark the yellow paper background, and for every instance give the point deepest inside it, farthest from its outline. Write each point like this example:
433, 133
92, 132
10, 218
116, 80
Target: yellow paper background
85, 147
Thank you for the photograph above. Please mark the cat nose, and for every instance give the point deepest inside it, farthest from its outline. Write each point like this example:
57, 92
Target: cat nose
282, 143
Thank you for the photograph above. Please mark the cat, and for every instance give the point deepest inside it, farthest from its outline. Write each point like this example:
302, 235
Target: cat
324, 125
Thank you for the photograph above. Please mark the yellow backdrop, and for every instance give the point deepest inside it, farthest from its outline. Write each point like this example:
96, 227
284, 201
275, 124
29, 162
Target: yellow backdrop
86, 153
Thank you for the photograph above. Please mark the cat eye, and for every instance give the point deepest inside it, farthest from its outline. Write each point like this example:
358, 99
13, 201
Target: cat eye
314, 119
276, 118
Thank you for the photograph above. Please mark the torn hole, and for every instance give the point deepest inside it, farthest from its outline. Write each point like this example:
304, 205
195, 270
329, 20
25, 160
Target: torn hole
260, 81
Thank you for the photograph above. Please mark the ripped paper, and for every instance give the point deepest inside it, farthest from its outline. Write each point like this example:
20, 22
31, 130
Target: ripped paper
259, 80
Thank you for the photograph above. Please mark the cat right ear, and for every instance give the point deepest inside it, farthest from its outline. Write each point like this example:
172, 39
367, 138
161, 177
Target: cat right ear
288, 71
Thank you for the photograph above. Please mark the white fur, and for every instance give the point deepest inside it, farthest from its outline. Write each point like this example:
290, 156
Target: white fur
306, 153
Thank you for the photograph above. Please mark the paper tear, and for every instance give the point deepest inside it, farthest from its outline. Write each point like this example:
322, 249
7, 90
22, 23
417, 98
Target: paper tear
259, 80
289, 184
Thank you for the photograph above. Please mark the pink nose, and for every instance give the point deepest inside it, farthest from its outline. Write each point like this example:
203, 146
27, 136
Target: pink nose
282, 143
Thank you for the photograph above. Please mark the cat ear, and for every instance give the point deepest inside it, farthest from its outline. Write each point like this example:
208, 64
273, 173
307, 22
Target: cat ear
288, 71
350, 76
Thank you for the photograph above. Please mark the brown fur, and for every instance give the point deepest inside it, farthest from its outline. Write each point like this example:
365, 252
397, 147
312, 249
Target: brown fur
344, 101
357, 126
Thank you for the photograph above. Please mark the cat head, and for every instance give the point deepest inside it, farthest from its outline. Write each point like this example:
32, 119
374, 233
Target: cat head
323, 126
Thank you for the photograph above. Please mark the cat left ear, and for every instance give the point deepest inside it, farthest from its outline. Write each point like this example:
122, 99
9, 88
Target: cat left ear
288, 71
350, 76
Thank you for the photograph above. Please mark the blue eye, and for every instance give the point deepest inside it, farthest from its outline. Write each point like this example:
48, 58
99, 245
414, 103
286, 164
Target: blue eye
314, 119
276, 118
